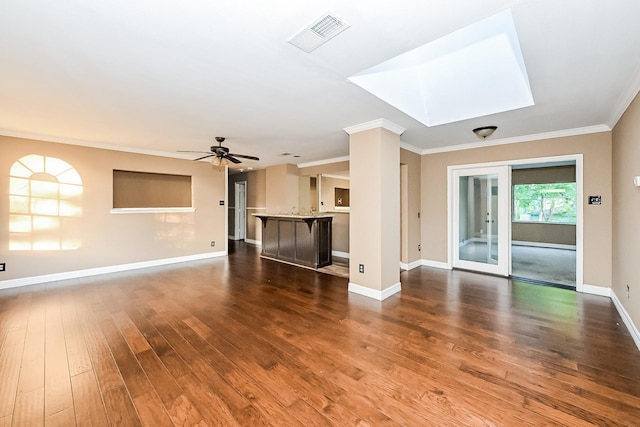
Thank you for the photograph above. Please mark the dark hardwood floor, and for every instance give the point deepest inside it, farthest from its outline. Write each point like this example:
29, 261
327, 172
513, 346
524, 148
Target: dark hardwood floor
246, 341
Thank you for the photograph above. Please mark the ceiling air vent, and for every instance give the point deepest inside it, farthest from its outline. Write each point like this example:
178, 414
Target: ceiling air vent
319, 32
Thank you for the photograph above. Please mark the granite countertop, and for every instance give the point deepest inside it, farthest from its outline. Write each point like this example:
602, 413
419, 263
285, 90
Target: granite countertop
293, 216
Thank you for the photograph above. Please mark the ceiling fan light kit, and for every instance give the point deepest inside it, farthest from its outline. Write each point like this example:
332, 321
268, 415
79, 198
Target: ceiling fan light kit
485, 131
221, 155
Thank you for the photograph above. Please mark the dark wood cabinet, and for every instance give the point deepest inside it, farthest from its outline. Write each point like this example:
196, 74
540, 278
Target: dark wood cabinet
303, 240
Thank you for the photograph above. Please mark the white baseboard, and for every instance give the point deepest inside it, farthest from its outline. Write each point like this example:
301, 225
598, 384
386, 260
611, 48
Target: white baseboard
631, 327
341, 254
45, 278
543, 245
254, 242
595, 290
436, 264
411, 265
372, 293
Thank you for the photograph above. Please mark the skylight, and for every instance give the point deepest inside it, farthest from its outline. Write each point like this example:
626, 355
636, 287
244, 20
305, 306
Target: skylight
473, 72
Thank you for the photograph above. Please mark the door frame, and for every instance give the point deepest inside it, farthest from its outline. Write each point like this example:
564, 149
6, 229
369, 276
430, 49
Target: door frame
503, 266
240, 221
577, 158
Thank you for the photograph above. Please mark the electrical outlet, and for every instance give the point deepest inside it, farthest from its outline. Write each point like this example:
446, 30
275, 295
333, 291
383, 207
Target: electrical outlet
3, 266
361, 268
419, 248
213, 243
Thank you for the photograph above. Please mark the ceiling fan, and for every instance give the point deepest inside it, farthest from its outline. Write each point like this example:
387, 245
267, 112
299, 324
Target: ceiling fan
220, 154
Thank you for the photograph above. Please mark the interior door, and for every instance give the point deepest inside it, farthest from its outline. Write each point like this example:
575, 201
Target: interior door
241, 210
481, 219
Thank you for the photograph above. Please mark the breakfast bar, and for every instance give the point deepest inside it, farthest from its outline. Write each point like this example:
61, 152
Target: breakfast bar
298, 239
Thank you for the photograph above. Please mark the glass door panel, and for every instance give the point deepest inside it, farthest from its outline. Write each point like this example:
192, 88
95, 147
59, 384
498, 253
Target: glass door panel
481, 204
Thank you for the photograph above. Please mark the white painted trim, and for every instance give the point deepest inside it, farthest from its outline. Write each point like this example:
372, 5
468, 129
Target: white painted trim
93, 144
336, 176
436, 264
120, 211
25, 281
239, 232
411, 265
579, 223
372, 293
503, 173
577, 158
625, 99
525, 138
341, 254
323, 162
375, 124
410, 147
543, 245
253, 242
631, 327
595, 290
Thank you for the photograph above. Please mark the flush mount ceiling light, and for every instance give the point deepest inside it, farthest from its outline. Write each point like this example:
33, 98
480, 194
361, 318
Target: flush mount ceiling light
485, 131
473, 72
319, 32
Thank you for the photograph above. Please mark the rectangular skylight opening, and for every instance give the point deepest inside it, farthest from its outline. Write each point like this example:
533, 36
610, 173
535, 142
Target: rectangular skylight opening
473, 72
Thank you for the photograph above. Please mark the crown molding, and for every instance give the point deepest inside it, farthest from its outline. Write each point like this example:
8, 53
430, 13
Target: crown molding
91, 144
525, 138
410, 147
323, 162
626, 98
335, 176
374, 124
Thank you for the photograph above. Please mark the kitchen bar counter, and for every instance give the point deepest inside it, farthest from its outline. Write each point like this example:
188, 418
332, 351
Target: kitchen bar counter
299, 239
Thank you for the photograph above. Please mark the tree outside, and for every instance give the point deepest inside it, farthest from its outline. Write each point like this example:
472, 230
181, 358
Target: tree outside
554, 203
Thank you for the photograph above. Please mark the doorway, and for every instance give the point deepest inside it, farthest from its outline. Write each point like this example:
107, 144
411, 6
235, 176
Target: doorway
240, 210
485, 237
544, 202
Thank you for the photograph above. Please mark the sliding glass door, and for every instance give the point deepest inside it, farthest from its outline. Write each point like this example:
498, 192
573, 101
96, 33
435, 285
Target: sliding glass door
481, 219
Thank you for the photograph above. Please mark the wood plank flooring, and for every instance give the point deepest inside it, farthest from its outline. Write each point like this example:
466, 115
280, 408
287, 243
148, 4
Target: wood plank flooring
246, 341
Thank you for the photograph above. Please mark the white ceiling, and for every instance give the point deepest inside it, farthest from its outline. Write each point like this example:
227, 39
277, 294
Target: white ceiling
161, 76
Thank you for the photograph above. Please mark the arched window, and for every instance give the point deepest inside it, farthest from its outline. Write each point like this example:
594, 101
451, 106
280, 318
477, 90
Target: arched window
45, 201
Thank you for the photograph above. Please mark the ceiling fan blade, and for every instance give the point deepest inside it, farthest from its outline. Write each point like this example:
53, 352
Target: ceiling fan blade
231, 158
245, 157
204, 157
189, 151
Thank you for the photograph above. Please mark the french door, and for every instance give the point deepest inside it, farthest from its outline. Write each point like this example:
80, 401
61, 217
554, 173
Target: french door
481, 219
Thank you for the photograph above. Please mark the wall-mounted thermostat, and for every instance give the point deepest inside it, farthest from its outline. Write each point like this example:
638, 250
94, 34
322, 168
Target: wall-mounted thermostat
595, 200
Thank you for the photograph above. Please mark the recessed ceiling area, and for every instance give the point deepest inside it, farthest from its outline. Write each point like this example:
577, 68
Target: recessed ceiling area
158, 77
473, 72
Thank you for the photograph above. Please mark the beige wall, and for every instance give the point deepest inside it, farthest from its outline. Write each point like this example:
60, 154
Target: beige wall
327, 168
557, 234
113, 239
626, 209
340, 232
328, 187
282, 188
596, 150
